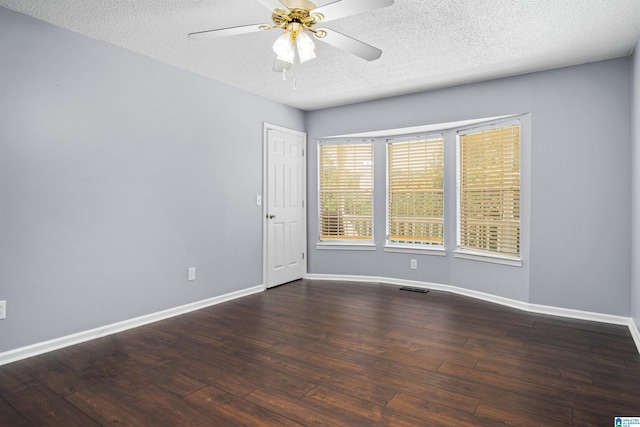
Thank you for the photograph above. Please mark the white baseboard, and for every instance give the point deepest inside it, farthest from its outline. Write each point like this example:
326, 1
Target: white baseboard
520, 305
55, 344
80, 337
635, 333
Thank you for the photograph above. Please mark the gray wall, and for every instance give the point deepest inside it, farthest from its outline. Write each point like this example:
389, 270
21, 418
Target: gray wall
635, 281
114, 172
117, 173
579, 250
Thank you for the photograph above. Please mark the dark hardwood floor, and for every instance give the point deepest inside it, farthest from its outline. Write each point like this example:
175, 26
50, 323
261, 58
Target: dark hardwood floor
335, 353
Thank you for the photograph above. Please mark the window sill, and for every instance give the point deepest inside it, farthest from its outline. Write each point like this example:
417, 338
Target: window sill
495, 259
435, 251
346, 246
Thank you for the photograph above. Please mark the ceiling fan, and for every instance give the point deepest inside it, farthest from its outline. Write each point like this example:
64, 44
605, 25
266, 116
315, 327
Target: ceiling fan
298, 18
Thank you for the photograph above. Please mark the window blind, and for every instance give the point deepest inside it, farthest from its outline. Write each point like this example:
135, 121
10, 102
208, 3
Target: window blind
489, 190
346, 191
415, 192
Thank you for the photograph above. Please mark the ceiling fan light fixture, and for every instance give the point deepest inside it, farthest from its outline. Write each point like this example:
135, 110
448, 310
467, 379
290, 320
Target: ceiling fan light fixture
305, 46
284, 48
298, 18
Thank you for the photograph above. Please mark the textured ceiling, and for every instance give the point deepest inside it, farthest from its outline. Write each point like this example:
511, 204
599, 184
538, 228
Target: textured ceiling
427, 44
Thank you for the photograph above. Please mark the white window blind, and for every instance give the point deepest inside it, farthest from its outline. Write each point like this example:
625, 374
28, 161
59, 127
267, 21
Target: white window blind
346, 192
415, 173
489, 190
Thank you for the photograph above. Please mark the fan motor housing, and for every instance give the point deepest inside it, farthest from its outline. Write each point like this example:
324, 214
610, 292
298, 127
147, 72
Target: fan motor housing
299, 4
284, 18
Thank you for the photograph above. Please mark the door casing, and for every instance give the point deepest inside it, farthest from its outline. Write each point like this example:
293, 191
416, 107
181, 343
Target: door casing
265, 194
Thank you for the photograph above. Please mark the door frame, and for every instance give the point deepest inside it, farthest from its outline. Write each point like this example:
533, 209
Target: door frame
265, 203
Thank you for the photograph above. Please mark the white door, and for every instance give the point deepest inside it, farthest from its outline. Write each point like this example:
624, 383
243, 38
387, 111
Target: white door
285, 212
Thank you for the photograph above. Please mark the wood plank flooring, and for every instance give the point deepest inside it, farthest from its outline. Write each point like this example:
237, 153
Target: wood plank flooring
340, 354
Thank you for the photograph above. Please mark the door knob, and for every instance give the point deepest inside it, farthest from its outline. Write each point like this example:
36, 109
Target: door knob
270, 216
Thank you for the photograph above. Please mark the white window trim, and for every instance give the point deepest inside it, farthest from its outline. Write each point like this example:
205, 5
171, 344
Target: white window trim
435, 250
346, 244
485, 257
451, 221
414, 248
471, 254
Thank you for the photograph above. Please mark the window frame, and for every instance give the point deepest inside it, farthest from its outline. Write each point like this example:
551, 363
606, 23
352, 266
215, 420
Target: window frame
479, 255
346, 243
415, 247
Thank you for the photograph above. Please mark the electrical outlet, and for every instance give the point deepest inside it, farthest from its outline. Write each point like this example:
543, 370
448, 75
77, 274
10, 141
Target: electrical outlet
192, 273
414, 264
3, 309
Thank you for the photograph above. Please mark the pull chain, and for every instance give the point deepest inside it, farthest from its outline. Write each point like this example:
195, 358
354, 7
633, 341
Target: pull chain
294, 81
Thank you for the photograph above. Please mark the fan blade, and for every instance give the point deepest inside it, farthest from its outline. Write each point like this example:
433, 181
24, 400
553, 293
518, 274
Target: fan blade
224, 32
342, 8
350, 45
280, 66
272, 4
